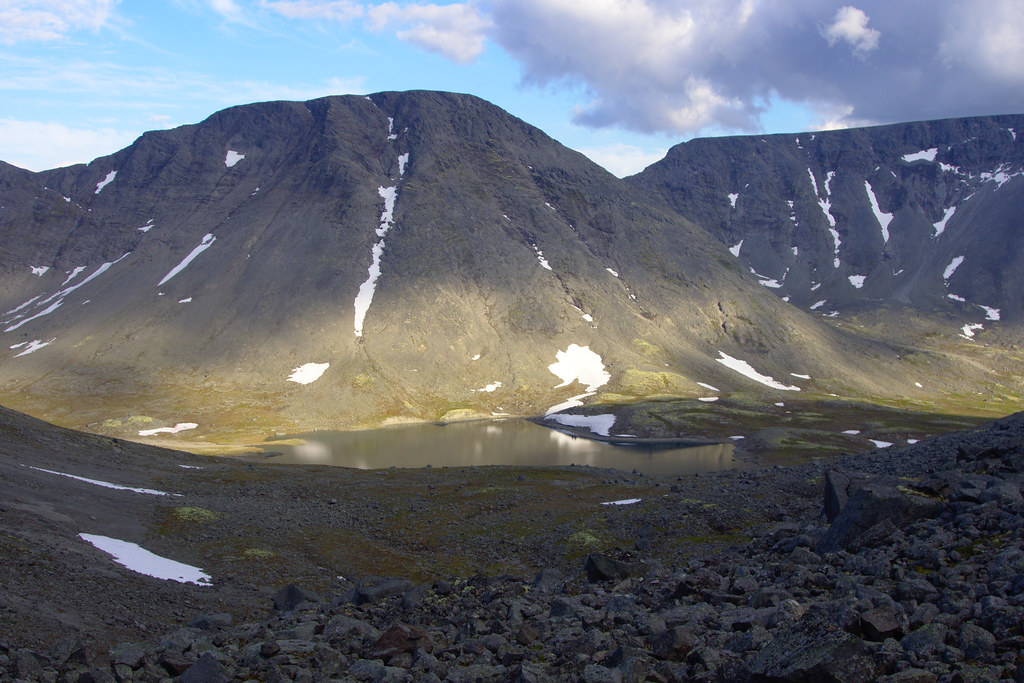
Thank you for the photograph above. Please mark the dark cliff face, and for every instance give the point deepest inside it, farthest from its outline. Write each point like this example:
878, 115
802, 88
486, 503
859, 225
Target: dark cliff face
429, 253
926, 215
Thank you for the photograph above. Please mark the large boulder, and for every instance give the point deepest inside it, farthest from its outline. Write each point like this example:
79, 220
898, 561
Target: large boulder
885, 499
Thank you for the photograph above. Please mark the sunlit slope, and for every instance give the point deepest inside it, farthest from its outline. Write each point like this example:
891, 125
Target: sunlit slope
352, 260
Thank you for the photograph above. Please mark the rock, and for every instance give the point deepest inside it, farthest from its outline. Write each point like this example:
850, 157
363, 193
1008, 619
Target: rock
595, 673
176, 663
910, 676
209, 622
26, 664
926, 641
549, 581
879, 500
206, 670
839, 486
379, 589
880, 623
400, 638
366, 670
68, 652
601, 567
342, 627
291, 597
976, 642
672, 644
129, 654
814, 650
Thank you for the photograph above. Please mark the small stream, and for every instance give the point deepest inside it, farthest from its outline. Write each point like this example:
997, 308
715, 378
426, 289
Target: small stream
503, 442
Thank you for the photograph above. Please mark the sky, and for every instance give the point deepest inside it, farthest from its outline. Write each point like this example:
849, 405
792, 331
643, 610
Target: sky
619, 80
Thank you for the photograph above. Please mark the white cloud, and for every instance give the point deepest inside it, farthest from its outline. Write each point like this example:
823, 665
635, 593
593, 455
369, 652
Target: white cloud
329, 10
714, 65
851, 24
455, 31
228, 9
622, 160
45, 20
38, 145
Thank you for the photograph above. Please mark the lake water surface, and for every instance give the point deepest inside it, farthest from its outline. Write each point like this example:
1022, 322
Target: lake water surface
503, 442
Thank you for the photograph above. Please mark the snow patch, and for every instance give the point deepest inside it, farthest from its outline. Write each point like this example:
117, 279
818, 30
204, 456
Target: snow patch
956, 297
925, 155
708, 386
708, 399
186, 300
540, 257
33, 346
625, 501
402, 161
612, 272
735, 249
141, 561
72, 275
58, 298
579, 363
232, 158
308, 373
732, 199
990, 313
744, 368
490, 388
880, 444
951, 268
597, 424
106, 181
799, 376
857, 280
208, 239
365, 294
883, 218
969, 330
180, 427
572, 402
39, 271
104, 484
940, 226
819, 304
852, 432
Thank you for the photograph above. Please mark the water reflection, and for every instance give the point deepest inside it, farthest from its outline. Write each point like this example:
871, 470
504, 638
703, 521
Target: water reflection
507, 442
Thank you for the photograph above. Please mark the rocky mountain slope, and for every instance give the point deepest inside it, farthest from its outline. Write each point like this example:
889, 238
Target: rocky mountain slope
354, 260
920, 216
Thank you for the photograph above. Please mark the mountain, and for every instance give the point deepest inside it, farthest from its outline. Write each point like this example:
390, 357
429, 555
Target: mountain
923, 216
352, 261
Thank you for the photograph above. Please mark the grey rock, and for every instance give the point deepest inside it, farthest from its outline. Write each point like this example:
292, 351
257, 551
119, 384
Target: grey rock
291, 597
208, 622
672, 644
875, 502
342, 627
366, 669
549, 580
880, 623
206, 670
925, 641
129, 654
976, 642
814, 650
376, 591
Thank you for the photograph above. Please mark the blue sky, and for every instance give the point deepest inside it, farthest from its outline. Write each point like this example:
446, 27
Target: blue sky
620, 80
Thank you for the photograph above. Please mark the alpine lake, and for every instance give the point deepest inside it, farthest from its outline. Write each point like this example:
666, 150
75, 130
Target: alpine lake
511, 442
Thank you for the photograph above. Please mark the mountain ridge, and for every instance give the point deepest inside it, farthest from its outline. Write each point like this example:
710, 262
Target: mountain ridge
191, 273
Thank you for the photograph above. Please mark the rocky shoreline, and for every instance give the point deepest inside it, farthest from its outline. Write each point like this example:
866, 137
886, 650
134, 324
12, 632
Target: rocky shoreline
909, 567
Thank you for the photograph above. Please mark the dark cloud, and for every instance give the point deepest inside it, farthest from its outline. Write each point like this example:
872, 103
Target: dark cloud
682, 67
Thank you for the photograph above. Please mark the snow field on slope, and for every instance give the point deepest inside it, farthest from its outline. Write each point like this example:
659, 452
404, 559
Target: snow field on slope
744, 368
142, 561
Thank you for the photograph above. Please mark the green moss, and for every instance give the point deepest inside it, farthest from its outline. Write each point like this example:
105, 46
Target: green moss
194, 515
